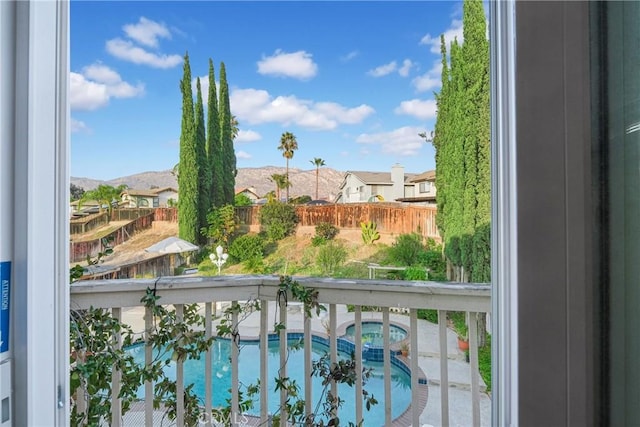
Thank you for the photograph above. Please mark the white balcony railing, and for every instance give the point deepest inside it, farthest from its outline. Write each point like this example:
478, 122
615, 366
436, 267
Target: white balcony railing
119, 295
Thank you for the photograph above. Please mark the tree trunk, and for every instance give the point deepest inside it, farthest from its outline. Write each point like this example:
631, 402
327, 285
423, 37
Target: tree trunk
287, 179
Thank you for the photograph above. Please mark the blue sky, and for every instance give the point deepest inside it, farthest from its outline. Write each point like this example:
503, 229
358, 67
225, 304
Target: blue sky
353, 81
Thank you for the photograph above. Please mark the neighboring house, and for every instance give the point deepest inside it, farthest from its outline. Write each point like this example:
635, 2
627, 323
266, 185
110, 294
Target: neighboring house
359, 186
87, 206
250, 192
152, 198
424, 189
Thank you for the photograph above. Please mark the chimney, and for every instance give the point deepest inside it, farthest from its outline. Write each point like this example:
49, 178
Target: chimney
397, 179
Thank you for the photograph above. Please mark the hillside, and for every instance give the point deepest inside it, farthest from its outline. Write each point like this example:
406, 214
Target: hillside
303, 181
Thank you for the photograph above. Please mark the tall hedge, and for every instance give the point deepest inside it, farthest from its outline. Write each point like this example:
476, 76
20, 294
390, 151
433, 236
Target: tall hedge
204, 175
188, 226
461, 140
214, 146
226, 139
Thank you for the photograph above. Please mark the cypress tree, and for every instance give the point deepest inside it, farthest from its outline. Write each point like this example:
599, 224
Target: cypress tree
462, 143
214, 146
188, 167
440, 140
477, 62
226, 139
204, 175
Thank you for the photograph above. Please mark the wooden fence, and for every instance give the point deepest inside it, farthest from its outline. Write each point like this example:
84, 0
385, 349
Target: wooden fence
93, 221
389, 217
88, 223
166, 214
79, 250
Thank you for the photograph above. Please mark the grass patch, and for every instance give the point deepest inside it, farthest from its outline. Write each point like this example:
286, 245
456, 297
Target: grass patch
484, 362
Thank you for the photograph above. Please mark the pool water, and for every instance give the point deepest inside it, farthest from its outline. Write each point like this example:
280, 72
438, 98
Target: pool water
249, 372
372, 333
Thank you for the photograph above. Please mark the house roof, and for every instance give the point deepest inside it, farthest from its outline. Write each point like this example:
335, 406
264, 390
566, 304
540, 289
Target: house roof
378, 178
141, 193
246, 190
153, 192
425, 176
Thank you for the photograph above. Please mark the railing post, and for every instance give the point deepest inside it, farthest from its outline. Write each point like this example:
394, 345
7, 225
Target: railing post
444, 368
235, 352
413, 363
208, 365
148, 358
116, 374
358, 343
308, 343
282, 372
387, 366
264, 361
473, 362
333, 347
179, 374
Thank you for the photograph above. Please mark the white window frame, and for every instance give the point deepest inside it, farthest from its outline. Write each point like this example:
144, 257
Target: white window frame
504, 248
41, 302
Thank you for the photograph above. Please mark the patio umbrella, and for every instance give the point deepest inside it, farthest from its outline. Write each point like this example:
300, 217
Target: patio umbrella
172, 245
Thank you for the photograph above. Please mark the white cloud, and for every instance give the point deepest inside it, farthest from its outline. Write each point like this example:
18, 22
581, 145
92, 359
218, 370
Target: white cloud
453, 32
101, 73
349, 56
147, 32
298, 65
421, 109
127, 51
406, 67
429, 80
403, 141
392, 67
85, 94
98, 83
255, 106
242, 155
247, 136
79, 126
383, 70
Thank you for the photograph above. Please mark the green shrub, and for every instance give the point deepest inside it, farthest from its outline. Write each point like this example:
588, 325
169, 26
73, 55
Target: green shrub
278, 220
255, 264
434, 261
428, 315
318, 241
326, 230
242, 200
407, 249
369, 232
331, 256
415, 273
246, 247
222, 225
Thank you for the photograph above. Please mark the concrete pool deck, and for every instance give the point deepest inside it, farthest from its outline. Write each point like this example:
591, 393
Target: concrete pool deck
428, 359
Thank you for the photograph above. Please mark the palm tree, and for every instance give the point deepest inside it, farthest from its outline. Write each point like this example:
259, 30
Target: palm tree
317, 162
281, 182
234, 127
288, 145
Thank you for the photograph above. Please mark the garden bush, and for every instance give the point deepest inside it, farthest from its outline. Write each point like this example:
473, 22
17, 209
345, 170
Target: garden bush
326, 230
278, 220
331, 256
246, 247
407, 249
415, 273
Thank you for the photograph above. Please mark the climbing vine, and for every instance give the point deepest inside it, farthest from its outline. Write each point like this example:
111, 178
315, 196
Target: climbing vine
180, 336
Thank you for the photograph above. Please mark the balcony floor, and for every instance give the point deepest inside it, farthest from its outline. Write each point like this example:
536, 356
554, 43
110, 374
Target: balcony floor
428, 359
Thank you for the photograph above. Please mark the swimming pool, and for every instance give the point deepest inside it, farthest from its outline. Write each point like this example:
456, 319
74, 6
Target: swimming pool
249, 372
372, 333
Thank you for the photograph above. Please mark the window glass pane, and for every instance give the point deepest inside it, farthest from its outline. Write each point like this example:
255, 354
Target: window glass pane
622, 128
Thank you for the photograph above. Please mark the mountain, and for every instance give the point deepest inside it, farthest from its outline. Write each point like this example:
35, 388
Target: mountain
303, 181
